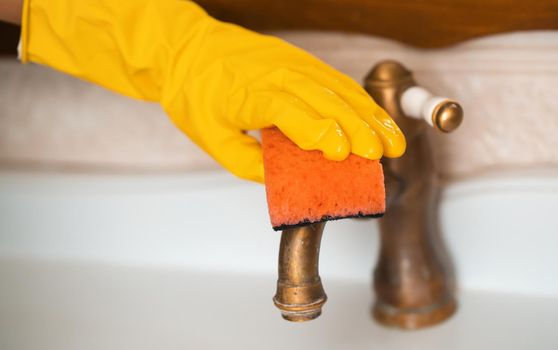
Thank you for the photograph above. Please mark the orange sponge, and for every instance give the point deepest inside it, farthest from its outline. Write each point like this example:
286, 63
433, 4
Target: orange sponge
303, 187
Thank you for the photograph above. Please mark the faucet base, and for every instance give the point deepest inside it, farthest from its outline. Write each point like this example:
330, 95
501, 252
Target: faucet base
414, 279
414, 317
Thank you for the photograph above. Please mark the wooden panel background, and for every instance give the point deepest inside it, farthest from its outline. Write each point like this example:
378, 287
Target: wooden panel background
428, 24
431, 23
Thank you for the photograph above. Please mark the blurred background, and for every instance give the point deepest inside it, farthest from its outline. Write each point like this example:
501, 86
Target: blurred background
117, 232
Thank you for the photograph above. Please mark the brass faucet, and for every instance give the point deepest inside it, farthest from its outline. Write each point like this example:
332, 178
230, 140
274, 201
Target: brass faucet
413, 279
300, 295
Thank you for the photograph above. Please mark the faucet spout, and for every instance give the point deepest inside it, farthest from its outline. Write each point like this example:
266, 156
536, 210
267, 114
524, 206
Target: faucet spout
300, 295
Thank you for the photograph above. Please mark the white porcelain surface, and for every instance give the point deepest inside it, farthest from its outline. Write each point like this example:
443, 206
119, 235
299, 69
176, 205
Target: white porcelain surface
499, 228
171, 262
68, 306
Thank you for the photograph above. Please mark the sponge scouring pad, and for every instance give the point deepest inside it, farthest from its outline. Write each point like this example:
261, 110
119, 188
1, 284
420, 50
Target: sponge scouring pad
303, 187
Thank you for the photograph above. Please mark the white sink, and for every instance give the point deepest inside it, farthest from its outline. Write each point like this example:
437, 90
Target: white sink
189, 262
75, 305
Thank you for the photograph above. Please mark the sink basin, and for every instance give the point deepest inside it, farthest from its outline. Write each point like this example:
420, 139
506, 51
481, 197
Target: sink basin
188, 261
77, 305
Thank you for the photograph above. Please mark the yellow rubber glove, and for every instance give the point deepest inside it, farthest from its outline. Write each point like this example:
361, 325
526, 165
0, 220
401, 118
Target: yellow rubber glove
214, 79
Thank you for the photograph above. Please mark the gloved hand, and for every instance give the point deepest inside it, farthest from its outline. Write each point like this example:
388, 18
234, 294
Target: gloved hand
214, 79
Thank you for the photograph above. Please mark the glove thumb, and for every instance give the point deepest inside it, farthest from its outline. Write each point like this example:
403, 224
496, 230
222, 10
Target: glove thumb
240, 154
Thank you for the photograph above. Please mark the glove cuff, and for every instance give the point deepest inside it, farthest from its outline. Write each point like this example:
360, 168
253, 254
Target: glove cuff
127, 46
23, 40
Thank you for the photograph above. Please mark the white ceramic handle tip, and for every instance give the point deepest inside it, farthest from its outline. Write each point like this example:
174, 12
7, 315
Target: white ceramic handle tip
419, 103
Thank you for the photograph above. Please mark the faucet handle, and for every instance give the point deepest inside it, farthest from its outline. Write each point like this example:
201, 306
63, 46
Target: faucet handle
394, 88
441, 113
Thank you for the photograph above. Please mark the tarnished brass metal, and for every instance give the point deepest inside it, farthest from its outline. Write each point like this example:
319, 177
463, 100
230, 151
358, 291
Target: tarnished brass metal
447, 116
413, 278
300, 295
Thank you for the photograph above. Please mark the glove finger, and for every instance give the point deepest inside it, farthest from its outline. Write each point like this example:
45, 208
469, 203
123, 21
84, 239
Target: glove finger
364, 141
238, 153
391, 136
301, 124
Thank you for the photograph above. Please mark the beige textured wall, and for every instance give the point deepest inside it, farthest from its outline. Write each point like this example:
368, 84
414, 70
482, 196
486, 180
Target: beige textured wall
507, 84
48, 119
